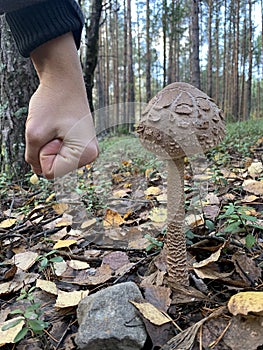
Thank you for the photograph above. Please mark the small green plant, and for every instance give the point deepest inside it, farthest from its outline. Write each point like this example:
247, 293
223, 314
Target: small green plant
236, 219
154, 243
46, 260
31, 316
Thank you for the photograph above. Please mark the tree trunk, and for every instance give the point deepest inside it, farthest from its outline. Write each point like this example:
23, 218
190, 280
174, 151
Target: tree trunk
250, 60
148, 53
209, 58
195, 78
18, 81
91, 41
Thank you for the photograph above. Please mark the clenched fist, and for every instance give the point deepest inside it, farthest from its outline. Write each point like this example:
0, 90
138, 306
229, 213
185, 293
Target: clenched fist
60, 134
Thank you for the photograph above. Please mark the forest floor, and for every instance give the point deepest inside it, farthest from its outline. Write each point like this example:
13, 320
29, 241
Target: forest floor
107, 223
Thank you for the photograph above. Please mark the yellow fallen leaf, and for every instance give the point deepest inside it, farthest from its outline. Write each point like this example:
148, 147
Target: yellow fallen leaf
255, 169
34, 179
112, 218
64, 243
49, 198
120, 194
249, 198
9, 335
152, 191
253, 186
47, 286
60, 208
68, 299
78, 265
158, 214
245, 302
24, 260
151, 313
7, 223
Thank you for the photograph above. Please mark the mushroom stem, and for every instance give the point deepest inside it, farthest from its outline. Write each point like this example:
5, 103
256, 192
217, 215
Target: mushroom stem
176, 242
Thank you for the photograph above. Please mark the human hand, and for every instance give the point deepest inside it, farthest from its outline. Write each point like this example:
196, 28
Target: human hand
60, 134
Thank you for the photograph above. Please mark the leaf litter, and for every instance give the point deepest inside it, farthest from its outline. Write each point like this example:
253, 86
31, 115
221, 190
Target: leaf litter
63, 254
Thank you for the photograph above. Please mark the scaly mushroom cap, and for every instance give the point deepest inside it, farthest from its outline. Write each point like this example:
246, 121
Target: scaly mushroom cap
181, 120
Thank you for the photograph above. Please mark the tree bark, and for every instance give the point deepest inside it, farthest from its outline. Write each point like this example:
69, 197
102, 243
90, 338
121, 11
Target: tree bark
18, 81
195, 78
91, 41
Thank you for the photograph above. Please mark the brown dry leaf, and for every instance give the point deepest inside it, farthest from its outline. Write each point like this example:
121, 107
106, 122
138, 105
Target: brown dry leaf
211, 272
253, 186
246, 268
116, 260
244, 333
60, 267
102, 275
60, 208
212, 199
158, 296
8, 336
24, 260
212, 258
69, 299
47, 286
112, 218
140, 243
158, 215
245, 302
7, 223
20, 279
151, 313
193, 220
152, 191
64, 221
88, 223
78, 265
64, 243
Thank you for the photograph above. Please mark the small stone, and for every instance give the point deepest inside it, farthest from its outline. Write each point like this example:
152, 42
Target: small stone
107, 320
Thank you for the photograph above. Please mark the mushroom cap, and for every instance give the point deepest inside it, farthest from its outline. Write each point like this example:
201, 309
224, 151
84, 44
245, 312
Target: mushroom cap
179, 121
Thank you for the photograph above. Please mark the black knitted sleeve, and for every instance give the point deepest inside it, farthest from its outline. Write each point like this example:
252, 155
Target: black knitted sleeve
34, 25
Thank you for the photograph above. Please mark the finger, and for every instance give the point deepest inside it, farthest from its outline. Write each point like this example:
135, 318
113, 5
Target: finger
48, 155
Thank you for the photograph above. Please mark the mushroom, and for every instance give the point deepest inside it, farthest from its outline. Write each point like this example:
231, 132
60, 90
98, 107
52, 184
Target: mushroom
179, 121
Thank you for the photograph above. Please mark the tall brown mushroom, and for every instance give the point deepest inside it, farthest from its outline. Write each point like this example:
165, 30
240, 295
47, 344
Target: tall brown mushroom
179, 121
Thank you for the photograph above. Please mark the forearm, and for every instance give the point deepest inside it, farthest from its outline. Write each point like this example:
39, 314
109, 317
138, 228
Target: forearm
57, 64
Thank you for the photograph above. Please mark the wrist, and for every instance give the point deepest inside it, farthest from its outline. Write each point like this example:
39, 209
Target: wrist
57, 60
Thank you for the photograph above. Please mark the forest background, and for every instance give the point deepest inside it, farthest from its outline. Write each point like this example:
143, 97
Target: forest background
131, 49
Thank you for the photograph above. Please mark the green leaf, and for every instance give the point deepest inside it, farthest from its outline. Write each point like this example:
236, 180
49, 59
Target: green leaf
21, 335
44, 262
11, 324
37, 325
210, 225
189, 234
250, 240
233, 227
56, 259
16, 311
249, 218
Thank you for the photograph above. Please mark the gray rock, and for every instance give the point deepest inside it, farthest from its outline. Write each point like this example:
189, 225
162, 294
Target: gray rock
108, 321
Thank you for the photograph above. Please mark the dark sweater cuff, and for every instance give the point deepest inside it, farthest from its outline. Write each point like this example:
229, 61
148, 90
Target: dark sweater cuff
34, 25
